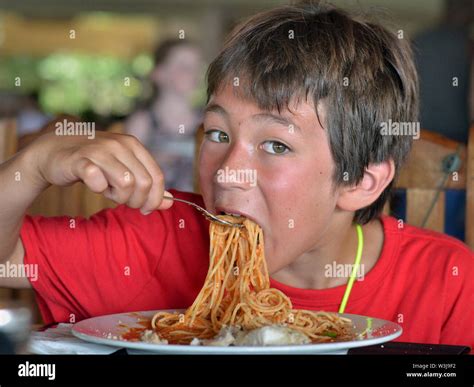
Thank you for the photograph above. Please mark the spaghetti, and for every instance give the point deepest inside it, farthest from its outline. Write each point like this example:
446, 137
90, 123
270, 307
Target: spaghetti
237, 292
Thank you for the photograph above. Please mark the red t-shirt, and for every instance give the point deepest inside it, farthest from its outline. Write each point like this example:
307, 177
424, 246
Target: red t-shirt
121, 261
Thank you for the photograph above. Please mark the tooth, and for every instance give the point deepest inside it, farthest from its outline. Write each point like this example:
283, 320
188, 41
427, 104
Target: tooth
229, 213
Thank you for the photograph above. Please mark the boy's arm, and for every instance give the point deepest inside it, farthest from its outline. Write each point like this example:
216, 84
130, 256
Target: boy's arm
19, 188
117, 166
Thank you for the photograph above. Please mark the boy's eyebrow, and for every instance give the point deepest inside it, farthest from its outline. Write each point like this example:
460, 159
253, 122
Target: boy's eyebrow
278, 119
215, 108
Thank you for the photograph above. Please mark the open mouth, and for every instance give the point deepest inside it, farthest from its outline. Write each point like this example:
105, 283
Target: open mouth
230, 214
234, 213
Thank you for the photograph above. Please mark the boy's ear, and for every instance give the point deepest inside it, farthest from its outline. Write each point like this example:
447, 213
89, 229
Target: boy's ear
376, 178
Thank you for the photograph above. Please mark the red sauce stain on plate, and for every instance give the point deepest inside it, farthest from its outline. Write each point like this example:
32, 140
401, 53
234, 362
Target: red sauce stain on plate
135, 333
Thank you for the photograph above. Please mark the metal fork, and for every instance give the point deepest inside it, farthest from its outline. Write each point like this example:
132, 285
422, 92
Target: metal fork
207, 214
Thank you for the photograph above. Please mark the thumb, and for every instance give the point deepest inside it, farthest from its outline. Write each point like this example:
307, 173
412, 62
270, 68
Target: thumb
166, 203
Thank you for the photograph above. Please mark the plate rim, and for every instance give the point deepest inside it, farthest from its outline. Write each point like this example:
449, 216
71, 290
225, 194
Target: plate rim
191, 349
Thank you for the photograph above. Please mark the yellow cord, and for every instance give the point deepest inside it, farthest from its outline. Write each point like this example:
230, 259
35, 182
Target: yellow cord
355, 268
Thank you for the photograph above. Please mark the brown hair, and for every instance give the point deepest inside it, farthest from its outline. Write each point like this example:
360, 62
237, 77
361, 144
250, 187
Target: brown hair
162, 52
363, 73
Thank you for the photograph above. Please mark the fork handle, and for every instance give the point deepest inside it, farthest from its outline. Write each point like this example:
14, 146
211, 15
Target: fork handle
184, 201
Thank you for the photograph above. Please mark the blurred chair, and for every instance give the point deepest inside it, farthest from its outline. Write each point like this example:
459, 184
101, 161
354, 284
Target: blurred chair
8, 147
436, 164
470, 189
8, 138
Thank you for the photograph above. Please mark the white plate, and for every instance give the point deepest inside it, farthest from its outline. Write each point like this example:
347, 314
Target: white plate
108, 330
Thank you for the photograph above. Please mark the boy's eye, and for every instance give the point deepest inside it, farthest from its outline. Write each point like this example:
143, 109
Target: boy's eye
275, 147
217, 135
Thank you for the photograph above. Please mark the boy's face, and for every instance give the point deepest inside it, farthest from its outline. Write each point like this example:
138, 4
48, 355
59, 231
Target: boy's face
274, 169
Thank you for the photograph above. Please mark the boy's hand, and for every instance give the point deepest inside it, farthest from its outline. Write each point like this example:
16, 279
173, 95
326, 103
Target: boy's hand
116, 165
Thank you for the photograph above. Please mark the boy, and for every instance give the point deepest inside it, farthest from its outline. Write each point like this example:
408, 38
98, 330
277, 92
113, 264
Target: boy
297, 98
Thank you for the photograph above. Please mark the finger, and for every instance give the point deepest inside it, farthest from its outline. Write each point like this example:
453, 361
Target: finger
155, 195
142, 178
90, 174
120, 180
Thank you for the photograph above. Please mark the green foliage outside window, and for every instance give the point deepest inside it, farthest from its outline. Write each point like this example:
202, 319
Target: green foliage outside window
79, 83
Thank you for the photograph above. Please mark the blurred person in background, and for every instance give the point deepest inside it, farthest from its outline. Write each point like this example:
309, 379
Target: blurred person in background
167, 126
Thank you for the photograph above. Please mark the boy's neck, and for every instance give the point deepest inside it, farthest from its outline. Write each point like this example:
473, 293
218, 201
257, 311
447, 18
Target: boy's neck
319, 268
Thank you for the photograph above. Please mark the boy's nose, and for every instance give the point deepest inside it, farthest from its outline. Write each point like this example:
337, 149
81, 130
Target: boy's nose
237, 169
